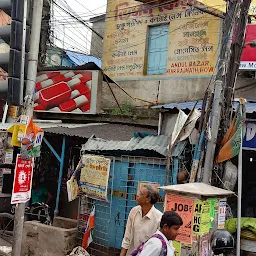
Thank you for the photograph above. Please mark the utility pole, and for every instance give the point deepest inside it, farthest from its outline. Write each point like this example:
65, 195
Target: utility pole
224, 60
28, 109
237, 49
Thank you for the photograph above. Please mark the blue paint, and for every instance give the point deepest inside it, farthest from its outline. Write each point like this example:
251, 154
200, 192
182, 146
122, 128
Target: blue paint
56, 211
250, 136
52, 149
61, 160
157, 49
175, 170
118, 216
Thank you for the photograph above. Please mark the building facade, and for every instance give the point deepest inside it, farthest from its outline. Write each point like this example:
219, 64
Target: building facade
162, 52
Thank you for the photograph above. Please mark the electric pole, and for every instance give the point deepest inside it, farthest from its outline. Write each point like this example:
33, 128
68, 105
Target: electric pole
28, 109
223, 65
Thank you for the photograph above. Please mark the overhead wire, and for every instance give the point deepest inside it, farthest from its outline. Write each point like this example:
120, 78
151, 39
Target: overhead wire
85, 37
78, 19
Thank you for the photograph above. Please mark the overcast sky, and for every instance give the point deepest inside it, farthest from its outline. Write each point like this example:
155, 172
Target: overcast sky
70, 34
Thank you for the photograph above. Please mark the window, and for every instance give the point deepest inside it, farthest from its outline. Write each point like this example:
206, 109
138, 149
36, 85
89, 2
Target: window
157, 49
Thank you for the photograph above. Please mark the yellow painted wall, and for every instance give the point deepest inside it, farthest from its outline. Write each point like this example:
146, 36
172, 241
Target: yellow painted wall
193, 40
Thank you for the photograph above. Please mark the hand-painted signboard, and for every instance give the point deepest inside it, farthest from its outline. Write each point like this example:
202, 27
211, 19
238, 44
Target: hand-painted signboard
248, 59
188, 44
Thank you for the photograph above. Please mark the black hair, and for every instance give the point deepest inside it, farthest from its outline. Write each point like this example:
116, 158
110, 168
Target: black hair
153, 194
171, 218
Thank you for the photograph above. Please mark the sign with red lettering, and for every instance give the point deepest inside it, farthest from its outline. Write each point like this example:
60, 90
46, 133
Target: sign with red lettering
248, 59
185, 208
21, 192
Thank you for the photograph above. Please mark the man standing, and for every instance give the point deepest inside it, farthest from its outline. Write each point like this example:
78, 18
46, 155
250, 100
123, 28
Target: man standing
143, 220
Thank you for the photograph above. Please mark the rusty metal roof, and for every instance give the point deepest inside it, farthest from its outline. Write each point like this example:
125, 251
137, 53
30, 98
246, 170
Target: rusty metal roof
102, 130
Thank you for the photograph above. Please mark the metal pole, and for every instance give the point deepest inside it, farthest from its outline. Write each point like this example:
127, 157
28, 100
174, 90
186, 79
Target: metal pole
29, 103
56, 211
239, 199
211, 145
33, 55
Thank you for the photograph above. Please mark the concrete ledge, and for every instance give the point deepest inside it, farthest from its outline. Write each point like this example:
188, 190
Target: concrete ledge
43, 240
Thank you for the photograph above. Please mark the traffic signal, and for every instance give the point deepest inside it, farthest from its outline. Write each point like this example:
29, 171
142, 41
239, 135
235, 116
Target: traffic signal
12, 34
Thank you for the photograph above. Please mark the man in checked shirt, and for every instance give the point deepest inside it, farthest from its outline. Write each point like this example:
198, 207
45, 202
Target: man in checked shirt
143, 220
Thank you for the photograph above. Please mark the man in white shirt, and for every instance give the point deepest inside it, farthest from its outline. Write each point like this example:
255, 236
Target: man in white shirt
169, 226
143, 220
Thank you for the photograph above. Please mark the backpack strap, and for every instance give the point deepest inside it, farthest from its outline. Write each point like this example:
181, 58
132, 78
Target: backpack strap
164, 245
138, 250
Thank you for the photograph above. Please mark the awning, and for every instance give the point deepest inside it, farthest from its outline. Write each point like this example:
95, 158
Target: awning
157, 144
250, 105
105, 131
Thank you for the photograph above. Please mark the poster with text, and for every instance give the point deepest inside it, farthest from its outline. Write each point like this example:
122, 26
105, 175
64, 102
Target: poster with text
94, 176
68, 91
222, 213
185, 208
191, 39
22, 180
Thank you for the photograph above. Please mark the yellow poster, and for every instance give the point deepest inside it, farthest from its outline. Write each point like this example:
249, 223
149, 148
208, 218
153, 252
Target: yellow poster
205, 218
201, 218
94, 176
197, 218
192, 40
177, 246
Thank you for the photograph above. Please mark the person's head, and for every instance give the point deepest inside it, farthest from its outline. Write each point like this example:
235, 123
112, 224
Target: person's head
147, 195
170, 224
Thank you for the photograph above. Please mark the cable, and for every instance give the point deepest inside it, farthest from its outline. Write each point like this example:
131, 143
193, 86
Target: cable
145, 9
85, 7
80, 21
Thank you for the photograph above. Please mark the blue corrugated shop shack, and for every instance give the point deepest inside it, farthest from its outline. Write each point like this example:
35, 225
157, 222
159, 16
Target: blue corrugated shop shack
134, 161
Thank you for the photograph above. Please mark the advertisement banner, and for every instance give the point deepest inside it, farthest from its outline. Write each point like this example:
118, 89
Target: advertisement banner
204, 245
250, 136
222, 213
22, 180
248, 58
185, 208
94, 176
67, 91
191, 37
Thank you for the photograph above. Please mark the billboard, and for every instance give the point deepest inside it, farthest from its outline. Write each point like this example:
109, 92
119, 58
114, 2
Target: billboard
248, 59
69, 91
250, 136
192, 40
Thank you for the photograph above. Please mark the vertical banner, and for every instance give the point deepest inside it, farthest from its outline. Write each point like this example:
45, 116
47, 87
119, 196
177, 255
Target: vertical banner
21, 192
204, 245
222, 213
185, 208
94, 176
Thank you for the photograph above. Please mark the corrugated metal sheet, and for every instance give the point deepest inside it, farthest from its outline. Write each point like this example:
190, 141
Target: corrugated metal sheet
250, 105
100, 130
153, 143
104, 131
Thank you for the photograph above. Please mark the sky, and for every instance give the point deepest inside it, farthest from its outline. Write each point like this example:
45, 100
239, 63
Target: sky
69, 33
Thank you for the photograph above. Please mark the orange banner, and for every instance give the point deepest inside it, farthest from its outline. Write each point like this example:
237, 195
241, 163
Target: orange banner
185, 208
